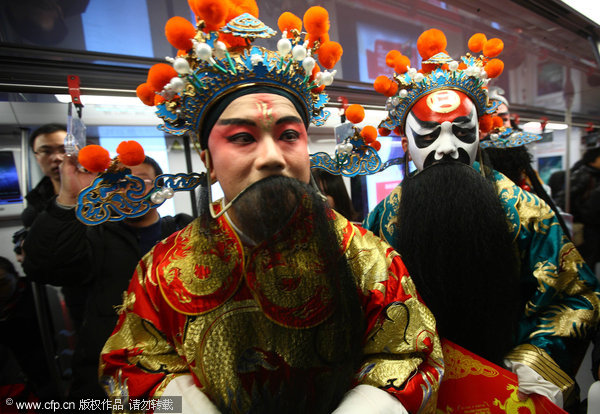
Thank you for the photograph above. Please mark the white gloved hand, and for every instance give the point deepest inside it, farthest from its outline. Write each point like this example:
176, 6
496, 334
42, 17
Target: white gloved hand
194, 401
530, 382
368, 399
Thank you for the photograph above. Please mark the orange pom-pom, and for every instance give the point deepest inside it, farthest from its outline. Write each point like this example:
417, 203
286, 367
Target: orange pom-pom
493, 47
355, 113
94, 158
213, 12
318, 89
233, 41
369, 133
392, 89
431, 42
158, 99
192, 4
159, 75
497, 122
391, 57
384, 132
402, 64
145, 93
397, 131
239, 7
381, 84
385, 86
375, 144
485, 123
330, 53
316, 20
179, 32
322, 38
131, 153
428, 67
476, 42
462, 66
288, 22
181, 52
494, 68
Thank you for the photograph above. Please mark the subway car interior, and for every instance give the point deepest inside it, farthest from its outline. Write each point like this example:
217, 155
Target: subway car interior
100, 51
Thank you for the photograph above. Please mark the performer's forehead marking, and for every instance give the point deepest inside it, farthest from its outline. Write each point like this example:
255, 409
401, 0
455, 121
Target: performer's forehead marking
266, 115
444, 105
443, 101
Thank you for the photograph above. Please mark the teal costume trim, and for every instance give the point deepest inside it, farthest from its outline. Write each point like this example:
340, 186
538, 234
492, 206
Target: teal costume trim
563, 310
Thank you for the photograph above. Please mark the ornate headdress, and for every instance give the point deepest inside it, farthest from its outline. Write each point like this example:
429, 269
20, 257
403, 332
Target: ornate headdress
439, 71
215, 60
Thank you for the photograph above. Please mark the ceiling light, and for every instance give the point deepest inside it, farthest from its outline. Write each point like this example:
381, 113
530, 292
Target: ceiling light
556, 126
536, 127
533, 126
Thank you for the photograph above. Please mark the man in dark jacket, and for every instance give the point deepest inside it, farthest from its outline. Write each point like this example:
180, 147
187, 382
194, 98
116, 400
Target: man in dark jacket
48, 144
62, 251
585, 185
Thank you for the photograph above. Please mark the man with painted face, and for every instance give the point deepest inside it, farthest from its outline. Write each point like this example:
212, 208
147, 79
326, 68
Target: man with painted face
442, 126
270, 301
490, 260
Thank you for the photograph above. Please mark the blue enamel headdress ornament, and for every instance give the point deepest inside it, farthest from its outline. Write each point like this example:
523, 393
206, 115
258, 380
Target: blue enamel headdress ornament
439, 71
353, 156
508, 138
356, 152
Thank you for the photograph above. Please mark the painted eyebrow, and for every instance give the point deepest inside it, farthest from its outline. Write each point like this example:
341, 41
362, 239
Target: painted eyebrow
248, 122
288, 119
236, 121
426, 124
461, 120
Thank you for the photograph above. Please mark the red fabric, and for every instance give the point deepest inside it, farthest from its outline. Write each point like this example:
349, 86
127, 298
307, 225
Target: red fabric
160, 316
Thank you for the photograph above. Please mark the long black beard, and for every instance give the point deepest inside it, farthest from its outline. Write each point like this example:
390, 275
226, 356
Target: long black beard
268, 212
455, 242
266, 207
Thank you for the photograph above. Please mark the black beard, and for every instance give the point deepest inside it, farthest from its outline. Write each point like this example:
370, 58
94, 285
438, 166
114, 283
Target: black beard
270, 212
463, 157
455, 241
266, 206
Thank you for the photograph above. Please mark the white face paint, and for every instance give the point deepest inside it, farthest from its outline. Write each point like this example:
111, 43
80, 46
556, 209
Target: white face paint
448, 136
